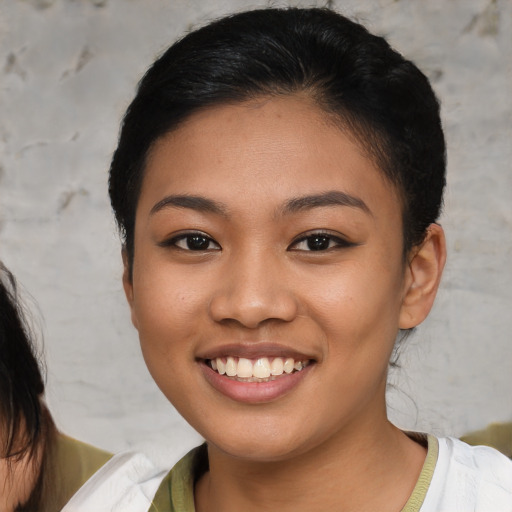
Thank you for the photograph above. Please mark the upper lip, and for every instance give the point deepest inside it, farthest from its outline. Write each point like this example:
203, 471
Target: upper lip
254, 350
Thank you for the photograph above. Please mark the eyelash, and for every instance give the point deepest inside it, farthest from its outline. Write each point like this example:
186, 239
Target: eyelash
187, 239
333, 242
317, 237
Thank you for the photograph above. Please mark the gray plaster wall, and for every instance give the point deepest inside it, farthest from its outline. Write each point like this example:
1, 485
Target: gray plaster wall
68, 69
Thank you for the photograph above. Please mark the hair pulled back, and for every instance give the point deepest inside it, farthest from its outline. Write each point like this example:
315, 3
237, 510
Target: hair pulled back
384, 100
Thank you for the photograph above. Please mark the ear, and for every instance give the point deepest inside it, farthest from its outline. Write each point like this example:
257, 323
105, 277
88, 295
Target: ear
423, 275
128, 286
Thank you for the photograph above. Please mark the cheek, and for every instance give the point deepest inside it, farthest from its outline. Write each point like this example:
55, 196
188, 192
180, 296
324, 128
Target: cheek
357, 304
167, 314
166, 307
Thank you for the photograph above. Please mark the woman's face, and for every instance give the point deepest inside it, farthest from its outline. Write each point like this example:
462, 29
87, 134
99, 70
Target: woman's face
266, 240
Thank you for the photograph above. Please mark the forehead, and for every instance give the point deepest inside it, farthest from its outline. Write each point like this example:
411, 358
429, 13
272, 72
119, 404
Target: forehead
271, 148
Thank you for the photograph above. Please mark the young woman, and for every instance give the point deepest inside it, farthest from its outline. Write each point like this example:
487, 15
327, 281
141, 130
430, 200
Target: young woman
40, 469
277, 183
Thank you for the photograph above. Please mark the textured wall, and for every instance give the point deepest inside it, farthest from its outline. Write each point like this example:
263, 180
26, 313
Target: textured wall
68, 69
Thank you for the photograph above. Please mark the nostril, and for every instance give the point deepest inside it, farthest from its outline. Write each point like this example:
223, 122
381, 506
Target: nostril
253, 309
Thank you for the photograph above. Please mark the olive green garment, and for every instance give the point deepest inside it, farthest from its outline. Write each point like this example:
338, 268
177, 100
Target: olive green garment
176, 492
496, 435
72, 464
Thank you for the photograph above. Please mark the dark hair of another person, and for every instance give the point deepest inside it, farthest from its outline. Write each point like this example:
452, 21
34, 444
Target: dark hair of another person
380, 97
26, 426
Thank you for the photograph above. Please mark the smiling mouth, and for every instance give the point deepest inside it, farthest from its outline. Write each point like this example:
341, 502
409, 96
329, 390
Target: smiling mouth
263, 369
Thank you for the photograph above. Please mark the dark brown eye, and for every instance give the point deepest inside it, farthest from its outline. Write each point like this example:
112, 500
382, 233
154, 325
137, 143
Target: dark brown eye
192, 242
197, 242
318, 242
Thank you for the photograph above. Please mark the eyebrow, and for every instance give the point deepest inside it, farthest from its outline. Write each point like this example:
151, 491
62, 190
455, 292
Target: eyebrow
198, 203
330, 198
297, 204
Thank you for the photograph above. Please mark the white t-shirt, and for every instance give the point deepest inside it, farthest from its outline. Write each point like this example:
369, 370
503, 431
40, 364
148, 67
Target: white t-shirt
469, 478
465, 479
126, 483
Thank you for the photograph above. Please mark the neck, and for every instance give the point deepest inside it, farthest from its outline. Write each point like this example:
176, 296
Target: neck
357, 471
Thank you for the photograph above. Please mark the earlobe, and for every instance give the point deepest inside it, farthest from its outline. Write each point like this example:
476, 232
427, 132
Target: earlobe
128, 286
423, 276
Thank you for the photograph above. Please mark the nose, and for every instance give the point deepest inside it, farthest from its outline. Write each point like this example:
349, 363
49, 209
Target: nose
254, 291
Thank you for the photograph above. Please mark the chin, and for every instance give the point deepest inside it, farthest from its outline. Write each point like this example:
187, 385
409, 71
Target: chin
260, 444
254, 451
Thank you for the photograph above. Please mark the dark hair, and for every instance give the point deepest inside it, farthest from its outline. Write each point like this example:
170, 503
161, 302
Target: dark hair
374, 92
25, 421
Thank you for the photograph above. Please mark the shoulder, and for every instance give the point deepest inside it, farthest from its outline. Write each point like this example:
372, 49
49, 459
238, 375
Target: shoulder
70, 464
482, 463
82, 457
497, 435
127, 483
469, 478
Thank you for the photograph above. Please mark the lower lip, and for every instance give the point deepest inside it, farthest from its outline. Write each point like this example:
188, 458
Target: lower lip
254, 392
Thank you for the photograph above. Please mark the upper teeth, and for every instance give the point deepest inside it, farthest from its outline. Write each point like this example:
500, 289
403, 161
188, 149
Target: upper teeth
261, 368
